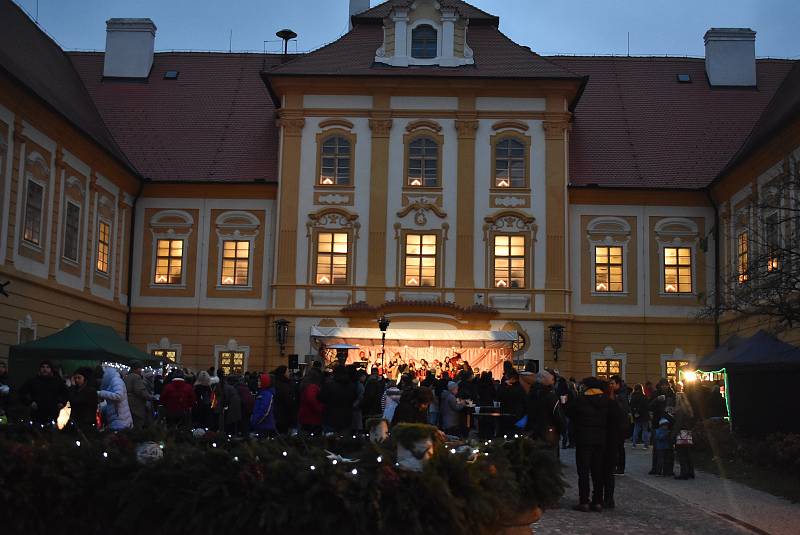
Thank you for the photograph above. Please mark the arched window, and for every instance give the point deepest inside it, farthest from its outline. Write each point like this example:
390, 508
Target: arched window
509, 164
423, 42
423, 162
335, 161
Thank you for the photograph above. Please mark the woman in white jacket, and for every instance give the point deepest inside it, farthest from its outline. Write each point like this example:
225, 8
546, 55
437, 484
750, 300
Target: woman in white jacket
116, 413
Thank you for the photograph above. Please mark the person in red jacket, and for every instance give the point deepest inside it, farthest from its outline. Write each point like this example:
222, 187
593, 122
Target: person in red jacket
177, 398
310, 414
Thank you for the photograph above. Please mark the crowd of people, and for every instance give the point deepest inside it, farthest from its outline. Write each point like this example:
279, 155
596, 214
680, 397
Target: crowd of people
594, 416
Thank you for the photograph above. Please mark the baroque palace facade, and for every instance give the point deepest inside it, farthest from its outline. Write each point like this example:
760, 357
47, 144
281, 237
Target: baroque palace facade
422, 166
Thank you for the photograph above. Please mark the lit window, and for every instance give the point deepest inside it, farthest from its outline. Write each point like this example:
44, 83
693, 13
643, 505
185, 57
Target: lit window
169, 354
773, 231
332, 249
509, 261
672, 368
335, 162
605, 368
608, 269
742, 262
678, 270
420, 259
235, 263
423, 42
72, 225
34, 196
509, 164
423, 162
169, 261
103, 246
232, 362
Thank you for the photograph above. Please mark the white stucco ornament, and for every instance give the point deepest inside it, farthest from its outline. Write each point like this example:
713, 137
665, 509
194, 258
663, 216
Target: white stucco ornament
148, 452
414, 459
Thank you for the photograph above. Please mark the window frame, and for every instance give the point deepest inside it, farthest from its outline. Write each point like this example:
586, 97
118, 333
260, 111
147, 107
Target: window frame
742, 257
408, 139
773, 242
498, 138
169, 258
250, 259
438, 40
679, 363
324, 136
608, 264
316, 254
98, 248
692, 270
436, 256
609, 372
38, 245
76, 260
525, 258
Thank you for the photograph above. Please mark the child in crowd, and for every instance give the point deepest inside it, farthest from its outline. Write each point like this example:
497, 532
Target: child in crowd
665, 458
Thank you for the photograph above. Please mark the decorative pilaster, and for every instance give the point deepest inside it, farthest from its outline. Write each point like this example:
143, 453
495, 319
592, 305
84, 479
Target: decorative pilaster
380, 123
91, 200
54, 225
17, 176
466, 126
291, 123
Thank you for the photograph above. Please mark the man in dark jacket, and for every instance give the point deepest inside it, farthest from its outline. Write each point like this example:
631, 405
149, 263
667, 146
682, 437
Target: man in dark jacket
285, 400
413, 406
620, 395
83, 400
338, 394
513, 402
589, 412
615, 440
373, 391
46, 394
138, 396
545, 419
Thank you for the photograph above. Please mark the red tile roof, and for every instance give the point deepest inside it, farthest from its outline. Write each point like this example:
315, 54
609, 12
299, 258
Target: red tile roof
216, 122
635, 126
36, 61
496, 56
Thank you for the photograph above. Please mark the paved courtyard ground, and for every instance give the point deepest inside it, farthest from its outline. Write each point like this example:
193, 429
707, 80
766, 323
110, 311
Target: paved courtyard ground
654, 505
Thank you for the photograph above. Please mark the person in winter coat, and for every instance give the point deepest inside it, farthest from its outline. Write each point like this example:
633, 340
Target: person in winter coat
662, 398
589, 413
46, 394
285, 400
83, 400
620, 397
662, 449
138, 396
201, 411
177, 397
358, 416
513, 402
615, 441
226, 411
545, 414
641, 417
338, 394
262, 420
684, 422
451, 409
116, 413
373, 392
413, 406
311, 408
248, 402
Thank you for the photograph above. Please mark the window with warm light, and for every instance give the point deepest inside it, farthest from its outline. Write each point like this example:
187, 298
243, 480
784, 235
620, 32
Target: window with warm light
509, 261
423, 42
335, 161
509, 164
169, 261
672, 368
34, 197
677, 270
607, 269
235, 263
605, 368
772, 229
332, 256
420, 260
423, 163
170, 354
231, 362
72, 225
742, 260
103, 246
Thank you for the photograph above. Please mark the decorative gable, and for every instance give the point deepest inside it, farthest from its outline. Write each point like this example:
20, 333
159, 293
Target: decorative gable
425, 33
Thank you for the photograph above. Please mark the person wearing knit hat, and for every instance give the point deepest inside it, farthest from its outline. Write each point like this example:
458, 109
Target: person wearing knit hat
262, 421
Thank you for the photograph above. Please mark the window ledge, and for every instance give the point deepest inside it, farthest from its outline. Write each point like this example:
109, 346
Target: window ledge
103, 275
329, 187
495, 189
232, 288
610, 294
32, 246
71, 262
167, 286
673, 295
421, 189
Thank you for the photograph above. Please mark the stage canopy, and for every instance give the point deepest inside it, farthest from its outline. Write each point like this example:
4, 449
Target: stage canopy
448, 338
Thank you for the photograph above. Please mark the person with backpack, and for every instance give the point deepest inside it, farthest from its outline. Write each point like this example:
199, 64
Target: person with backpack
262, 421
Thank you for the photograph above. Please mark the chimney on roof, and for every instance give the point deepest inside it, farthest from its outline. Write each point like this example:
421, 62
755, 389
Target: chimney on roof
129, 48
731, 57
356, 7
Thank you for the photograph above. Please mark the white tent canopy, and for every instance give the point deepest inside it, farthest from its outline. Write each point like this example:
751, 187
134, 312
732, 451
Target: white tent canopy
413, 337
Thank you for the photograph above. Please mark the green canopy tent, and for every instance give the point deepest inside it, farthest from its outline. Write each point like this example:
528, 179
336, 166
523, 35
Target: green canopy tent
80, 344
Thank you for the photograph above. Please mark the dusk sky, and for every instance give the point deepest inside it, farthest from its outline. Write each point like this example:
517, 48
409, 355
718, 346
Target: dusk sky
673, 27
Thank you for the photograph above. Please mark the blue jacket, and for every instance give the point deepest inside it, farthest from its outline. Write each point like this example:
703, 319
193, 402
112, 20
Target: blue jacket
263, 417
663, 441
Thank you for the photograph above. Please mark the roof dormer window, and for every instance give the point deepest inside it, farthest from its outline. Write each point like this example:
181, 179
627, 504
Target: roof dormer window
424, 42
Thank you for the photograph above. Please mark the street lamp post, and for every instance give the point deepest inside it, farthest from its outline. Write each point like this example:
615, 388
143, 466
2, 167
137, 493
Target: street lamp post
281, 333
383, 324
556, 338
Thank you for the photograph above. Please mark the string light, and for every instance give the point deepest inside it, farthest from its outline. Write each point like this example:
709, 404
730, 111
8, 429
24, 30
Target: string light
213, 444
78, 443
334, 461
236, 459
453, 450
354, 472
105, 455
313, 467
285, 454
380, 459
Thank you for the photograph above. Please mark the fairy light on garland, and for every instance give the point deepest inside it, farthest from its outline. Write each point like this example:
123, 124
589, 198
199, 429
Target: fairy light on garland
312, 467
78, 443
105, 455
354, 471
